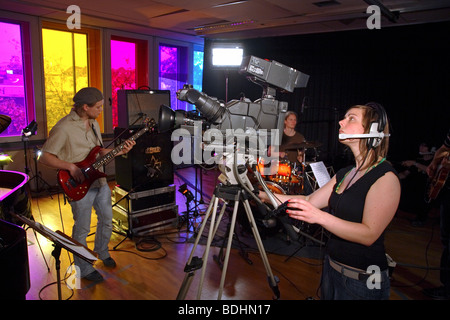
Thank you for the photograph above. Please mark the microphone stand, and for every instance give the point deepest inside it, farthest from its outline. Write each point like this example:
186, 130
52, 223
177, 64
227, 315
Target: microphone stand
38, 177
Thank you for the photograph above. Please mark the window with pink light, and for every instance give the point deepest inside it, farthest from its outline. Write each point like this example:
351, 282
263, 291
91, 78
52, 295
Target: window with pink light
123, 71
15, 95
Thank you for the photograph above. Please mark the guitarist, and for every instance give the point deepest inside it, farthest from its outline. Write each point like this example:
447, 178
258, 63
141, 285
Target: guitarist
440, 157
69, 142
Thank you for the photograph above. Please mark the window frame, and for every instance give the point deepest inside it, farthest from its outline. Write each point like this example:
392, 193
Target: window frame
142, 63
26, 36
108, 35
95, 67
189, 49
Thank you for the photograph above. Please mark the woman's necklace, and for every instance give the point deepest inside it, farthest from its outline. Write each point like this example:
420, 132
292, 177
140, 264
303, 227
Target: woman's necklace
367, 170
375, 165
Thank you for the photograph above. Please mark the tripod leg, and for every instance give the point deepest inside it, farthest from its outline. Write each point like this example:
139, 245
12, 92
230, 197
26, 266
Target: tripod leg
272, 281
212, 206
129, 231
227, 252
222, 211
190, 268
125, 238
208, 246
219, 258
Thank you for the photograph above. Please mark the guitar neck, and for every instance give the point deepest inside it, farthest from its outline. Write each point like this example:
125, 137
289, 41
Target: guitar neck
107, 158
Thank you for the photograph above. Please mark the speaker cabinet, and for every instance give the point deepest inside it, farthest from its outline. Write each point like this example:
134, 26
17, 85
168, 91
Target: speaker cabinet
14, 266
148, 165
133, 106
147, 221
135, 202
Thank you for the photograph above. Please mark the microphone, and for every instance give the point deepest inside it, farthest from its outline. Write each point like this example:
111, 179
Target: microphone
373, 133
381, 135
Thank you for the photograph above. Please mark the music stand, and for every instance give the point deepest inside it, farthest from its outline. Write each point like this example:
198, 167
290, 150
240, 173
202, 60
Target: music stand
60, 241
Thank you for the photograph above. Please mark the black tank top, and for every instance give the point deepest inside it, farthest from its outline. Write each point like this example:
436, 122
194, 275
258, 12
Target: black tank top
349, 206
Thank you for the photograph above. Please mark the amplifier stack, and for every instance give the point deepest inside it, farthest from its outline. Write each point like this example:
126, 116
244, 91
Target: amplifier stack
144, 197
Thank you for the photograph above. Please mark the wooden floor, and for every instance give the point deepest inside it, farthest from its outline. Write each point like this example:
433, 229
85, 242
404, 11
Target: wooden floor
153, 270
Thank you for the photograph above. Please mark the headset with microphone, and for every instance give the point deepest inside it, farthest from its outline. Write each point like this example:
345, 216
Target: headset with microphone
376, 134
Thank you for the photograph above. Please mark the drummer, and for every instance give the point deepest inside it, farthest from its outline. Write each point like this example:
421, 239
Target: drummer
291, 137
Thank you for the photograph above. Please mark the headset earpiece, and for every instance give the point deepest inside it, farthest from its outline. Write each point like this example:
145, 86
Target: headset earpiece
378, 125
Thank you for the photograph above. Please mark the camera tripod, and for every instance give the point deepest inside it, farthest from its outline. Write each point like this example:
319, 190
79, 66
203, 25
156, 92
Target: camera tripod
225, 193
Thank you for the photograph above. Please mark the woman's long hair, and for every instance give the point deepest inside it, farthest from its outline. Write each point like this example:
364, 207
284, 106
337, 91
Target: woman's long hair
373, 154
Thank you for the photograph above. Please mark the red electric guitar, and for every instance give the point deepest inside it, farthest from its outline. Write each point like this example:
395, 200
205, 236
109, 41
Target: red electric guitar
90, 167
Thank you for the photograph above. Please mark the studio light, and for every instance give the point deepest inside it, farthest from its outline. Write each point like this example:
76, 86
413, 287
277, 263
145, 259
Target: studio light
4, 160
186, 192
30, 130
227, 55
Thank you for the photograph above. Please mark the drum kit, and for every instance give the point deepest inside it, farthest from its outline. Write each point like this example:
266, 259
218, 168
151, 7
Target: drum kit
289, 176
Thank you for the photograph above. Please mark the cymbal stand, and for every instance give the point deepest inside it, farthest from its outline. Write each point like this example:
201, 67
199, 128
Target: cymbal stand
225, 193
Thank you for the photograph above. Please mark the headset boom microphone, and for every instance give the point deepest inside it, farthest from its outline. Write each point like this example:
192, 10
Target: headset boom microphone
372, 134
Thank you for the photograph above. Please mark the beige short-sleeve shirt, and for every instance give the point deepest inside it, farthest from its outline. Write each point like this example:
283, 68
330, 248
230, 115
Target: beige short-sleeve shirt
70, 141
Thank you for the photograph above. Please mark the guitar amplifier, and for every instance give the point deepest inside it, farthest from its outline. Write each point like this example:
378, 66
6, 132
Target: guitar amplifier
134, 202
145, 221
132, 104
148, 165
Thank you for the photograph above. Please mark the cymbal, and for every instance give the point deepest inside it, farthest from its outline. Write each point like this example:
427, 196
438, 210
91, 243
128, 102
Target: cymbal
5, 121
305, 144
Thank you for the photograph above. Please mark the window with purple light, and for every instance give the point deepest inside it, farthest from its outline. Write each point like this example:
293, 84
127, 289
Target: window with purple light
12, 90
173, 72
168, 66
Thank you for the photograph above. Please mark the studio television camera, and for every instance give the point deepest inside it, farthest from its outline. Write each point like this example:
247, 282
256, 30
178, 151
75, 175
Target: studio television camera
265, 113
239, 119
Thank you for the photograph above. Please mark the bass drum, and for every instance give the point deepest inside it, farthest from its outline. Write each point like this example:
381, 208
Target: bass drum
274, 187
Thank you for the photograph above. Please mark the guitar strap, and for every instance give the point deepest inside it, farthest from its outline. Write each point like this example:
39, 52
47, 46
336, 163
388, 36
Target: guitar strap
95, 133
100, 141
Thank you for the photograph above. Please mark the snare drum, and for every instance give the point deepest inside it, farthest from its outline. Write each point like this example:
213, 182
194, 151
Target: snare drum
267, 169
283, 173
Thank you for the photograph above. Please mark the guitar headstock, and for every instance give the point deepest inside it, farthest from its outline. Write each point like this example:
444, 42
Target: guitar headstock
150, 123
